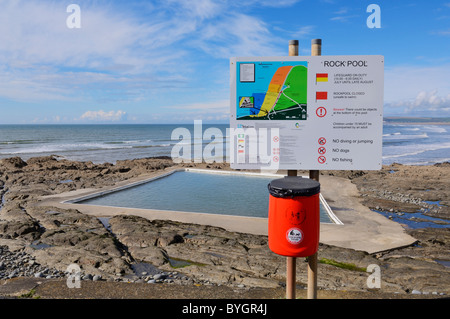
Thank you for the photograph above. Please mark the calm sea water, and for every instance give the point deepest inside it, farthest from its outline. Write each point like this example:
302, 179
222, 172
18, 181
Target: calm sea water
418, 144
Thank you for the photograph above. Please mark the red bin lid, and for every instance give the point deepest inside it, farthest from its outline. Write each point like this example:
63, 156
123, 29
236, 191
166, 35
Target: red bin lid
292, 186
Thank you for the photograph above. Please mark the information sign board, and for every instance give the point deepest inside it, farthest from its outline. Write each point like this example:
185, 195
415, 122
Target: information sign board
311, 112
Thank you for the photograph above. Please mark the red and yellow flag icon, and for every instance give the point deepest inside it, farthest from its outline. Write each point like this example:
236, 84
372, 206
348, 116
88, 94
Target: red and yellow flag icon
321, 77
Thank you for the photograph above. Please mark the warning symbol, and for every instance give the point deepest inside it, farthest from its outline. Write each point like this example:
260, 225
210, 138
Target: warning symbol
322, 141
321, 111
322, 150
321, 159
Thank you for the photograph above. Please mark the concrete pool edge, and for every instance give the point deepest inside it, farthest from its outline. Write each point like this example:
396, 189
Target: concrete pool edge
362, 229
331, 216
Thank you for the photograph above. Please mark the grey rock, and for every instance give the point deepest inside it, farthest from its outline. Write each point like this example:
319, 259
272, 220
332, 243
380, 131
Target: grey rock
159, 276
87, 277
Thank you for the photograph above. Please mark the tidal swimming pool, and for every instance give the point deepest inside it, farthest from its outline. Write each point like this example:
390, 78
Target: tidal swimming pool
199, 191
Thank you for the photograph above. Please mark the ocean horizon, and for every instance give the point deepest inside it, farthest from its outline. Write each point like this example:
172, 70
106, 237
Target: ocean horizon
409, 141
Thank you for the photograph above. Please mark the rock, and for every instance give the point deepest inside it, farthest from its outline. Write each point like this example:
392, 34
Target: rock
205, 255
29, 230
159, 276
415, 292
87, 277
13, 163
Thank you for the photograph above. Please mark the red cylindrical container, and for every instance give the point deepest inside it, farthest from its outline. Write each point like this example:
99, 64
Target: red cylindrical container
294, 216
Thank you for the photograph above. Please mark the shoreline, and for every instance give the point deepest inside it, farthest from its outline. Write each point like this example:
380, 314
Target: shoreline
416, 120
119, 142
417, 123
57, 240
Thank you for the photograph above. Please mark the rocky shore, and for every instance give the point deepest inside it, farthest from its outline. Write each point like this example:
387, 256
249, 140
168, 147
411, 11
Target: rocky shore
41, 242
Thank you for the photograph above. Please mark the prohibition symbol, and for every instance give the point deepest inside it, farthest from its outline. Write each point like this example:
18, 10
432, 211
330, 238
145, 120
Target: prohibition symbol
275, 159
321, 159
322, 141
321, 111
276, 139
322, 150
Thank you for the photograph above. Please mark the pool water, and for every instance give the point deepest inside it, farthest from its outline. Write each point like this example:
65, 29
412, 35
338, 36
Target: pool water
200, 192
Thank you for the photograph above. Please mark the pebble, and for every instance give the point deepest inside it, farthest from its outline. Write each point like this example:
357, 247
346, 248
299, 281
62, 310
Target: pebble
20, 264
159, 276
87, 277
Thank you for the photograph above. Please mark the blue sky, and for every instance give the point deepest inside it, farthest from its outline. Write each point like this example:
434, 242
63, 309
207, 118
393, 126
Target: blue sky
168, 61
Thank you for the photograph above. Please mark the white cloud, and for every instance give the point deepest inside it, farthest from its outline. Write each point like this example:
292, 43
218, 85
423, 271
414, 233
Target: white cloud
443, 32
303, 32
271, 3
42, 59
237, 34
344, 18
120, 51
341, 11
222, 105
214, 111
102, 116
425, 104
202, 9
417, 90
405, 82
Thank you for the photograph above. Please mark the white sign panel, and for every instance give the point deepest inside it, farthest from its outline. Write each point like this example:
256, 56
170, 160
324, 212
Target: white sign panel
313, 112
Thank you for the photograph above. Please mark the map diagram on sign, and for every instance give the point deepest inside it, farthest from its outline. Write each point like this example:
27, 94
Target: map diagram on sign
271, 90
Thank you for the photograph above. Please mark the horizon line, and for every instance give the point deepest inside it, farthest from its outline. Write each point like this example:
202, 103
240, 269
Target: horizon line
389, 117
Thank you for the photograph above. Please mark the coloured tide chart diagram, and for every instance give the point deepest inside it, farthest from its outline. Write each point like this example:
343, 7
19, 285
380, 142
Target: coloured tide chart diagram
313, 112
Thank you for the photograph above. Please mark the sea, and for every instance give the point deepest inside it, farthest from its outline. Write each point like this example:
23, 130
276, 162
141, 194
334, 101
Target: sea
405, 141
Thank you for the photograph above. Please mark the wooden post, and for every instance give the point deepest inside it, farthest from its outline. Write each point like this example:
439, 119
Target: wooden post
316, 50
316, 47
291, 262
293, 47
